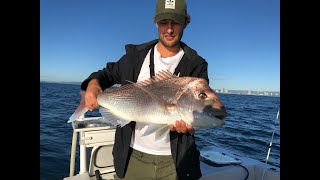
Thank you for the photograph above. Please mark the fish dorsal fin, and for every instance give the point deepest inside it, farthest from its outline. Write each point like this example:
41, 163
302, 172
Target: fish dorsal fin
160, 76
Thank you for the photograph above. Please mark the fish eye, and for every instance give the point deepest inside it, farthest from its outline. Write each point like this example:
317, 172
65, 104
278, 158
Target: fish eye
202, 95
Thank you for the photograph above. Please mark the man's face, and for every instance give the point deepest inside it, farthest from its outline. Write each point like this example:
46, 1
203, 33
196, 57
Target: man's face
170, 32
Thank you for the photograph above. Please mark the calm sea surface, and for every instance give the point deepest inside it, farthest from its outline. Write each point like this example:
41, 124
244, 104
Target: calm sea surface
247, 131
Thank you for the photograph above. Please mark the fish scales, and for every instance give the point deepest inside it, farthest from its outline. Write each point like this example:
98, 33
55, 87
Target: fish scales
135, 104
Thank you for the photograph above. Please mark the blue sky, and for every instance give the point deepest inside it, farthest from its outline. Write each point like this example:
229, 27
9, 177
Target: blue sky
240, 39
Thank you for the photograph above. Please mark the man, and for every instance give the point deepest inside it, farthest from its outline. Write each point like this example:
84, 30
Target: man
136, 157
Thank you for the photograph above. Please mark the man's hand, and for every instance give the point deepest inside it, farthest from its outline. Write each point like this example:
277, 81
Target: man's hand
90, 97
182, 127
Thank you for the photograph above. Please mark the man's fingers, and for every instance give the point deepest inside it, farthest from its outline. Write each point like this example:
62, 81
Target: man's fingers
182, 127
91, 101
190, 129
177, 126
171, 127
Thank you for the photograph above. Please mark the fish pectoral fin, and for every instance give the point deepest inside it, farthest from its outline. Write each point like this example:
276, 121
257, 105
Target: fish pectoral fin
166, 107
81, 109
155, 97
111, 118
159, 129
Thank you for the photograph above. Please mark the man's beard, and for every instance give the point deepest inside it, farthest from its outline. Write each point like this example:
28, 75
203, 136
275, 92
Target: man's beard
175, 43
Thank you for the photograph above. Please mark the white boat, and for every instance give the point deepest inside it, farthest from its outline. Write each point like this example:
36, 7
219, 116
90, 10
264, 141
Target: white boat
96, 160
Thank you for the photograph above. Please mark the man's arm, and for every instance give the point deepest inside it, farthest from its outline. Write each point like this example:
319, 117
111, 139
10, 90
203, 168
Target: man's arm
108, 76
100, 80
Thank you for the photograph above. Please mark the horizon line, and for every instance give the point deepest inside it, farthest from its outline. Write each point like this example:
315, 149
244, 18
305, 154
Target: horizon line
78, 83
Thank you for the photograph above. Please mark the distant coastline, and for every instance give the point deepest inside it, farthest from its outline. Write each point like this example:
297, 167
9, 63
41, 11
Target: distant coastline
54, 82
248, 92
222, 91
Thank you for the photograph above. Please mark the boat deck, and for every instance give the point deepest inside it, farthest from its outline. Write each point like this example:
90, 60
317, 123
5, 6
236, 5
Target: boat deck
96, 161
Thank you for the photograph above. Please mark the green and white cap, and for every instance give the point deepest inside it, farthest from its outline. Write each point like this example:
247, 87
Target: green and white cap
171, 9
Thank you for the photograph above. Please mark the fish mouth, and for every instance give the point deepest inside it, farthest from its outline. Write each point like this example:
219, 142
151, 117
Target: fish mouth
219, 114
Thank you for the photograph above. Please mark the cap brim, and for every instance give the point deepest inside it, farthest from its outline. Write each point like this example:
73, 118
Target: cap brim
176, 17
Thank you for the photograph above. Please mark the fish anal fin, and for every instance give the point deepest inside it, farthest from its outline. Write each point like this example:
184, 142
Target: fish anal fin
111, 118
160, 130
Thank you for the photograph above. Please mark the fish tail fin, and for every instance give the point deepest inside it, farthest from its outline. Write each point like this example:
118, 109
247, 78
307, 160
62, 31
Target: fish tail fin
109, 117
81, 109
160, 130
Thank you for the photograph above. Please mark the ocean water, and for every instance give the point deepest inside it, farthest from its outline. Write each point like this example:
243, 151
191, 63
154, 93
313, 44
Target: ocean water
247, 131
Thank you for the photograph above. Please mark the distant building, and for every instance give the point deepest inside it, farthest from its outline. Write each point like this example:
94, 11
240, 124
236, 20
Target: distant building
247, 92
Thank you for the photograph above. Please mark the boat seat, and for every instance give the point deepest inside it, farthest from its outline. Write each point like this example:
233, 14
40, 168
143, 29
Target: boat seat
102, 160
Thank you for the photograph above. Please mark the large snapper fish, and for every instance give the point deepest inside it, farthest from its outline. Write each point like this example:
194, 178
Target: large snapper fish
159, 102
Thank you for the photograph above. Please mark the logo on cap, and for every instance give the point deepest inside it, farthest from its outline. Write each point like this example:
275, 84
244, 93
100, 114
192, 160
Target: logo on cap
170, 4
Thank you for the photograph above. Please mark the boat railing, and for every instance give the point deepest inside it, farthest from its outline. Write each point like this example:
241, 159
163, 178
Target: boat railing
89, 130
